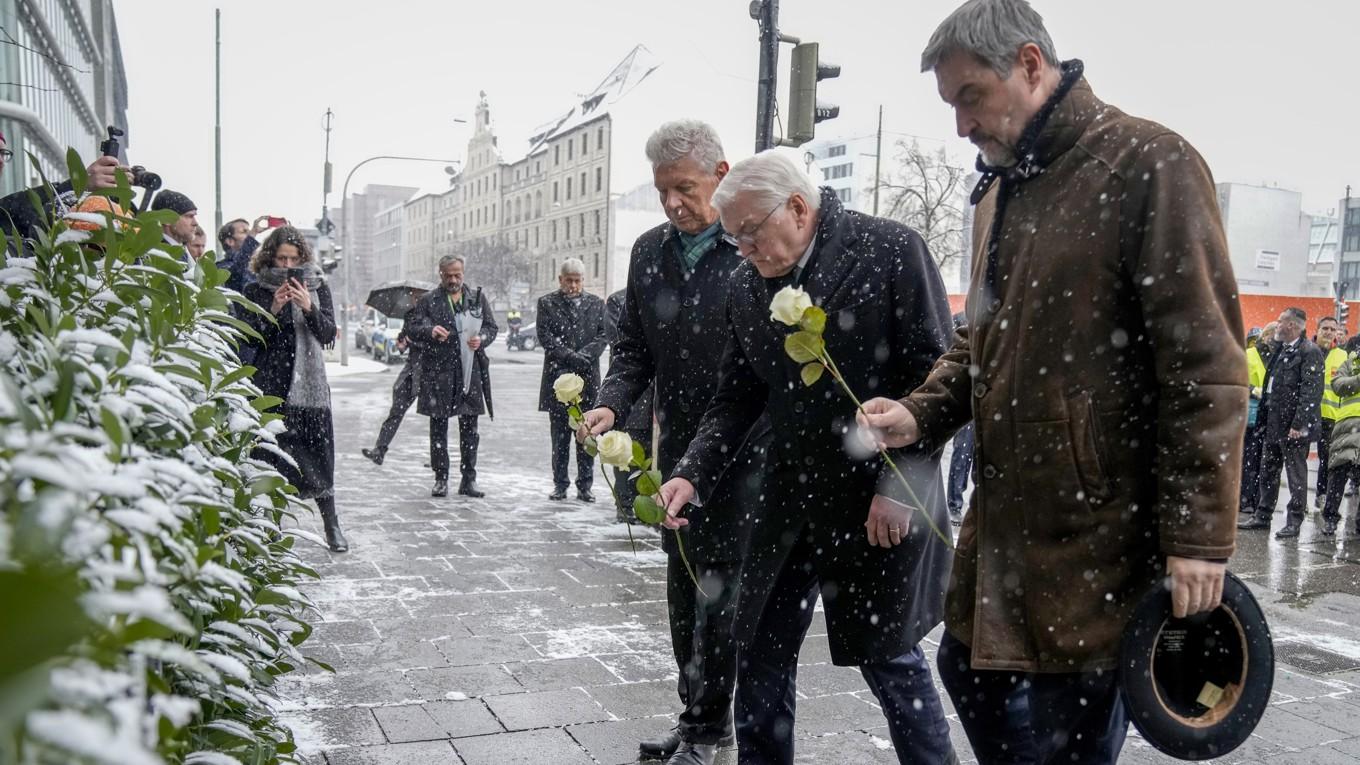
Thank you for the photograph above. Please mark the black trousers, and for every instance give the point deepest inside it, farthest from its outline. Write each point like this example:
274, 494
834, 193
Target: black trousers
960, 464
1337, 477
404, 394
1018, 718
1324, 450
1253, 441
562, 439
1292, 455
705, 651
468, 439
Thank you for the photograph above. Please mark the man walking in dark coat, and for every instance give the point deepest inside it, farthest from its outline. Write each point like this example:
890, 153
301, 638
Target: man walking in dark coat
637, 421
453, 325
1290, 408
671, 335
570, 327
832, 520
404, 391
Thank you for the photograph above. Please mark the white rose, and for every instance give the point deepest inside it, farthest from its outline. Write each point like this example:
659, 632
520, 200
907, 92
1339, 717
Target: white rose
568, 387
789, 304
616, 448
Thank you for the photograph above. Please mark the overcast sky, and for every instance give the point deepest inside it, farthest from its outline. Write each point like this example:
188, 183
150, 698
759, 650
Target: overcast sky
1260, 87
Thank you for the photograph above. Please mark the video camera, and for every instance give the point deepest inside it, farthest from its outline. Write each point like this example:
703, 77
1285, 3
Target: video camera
139, 176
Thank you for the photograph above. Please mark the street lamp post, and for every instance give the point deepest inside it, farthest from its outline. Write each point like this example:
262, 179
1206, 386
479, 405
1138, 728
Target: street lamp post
348, 255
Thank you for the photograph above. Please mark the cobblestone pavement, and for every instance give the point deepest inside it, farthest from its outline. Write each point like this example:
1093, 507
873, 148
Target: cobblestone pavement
513, 629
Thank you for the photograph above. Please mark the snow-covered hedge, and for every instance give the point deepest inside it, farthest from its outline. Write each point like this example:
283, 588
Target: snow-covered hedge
148, 589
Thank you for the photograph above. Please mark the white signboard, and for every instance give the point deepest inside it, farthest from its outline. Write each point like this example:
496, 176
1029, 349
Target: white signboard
1267, 260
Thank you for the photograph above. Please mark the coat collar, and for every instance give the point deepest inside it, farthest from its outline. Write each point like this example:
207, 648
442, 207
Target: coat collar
838, 234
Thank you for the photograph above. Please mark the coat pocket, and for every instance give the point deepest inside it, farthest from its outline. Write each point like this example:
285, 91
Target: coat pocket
1087, 446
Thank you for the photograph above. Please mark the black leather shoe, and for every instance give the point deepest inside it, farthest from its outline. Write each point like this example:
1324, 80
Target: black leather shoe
584, 495
374, 454
1254, 523
694, 754
558, 495
469, 489
1288, 532
661, 747
1328, 528
441, 489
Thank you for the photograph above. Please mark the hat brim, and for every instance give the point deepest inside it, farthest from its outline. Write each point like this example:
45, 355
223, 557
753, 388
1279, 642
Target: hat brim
1196, 688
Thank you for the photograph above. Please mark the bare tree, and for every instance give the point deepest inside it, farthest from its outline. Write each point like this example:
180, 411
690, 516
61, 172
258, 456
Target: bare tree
502, 269
927, 193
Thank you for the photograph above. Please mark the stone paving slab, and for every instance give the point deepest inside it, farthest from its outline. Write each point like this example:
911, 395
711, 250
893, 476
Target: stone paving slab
517, 630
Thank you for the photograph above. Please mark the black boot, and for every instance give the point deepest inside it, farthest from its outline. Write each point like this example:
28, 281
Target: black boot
376, 454
661, 747
468, 439
441, 488
335, 539
468, 488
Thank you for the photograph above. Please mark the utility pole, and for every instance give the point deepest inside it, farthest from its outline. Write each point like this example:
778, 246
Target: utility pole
218, 136
878, 156
766, 13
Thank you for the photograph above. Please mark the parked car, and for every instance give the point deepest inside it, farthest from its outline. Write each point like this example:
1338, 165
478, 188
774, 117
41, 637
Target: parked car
385, 342
363, 334
526, 339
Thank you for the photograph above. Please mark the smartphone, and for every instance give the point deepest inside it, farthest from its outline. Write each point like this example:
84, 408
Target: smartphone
298, 273
276, 222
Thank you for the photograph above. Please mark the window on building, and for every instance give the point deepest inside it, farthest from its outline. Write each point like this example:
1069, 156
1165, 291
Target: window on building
583, 184
597, 222
585, 144
557, 154
836, 151
536, 235
597, 265
555, 192
570, 146
599, 179
599, 139
581, 227
538, 204
538, 168
554, 232
566, 229
844, 195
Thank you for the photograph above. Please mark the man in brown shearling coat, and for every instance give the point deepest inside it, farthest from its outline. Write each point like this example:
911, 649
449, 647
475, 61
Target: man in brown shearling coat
1101, 369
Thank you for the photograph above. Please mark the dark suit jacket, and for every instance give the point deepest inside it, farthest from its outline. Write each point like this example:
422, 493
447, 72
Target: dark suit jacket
1292, 395
440, 368
888, 320
572, 340
638, 420
671, 335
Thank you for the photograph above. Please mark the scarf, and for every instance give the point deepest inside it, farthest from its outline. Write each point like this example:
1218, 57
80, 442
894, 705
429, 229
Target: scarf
308, 388
695, 246
1028, 165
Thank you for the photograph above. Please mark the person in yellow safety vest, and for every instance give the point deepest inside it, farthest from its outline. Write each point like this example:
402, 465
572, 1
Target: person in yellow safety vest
1325, 338
1258, 353
1344, 459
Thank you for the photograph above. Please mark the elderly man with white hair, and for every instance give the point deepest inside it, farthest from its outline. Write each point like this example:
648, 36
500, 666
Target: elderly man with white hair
570, 325
829, 522
672, 331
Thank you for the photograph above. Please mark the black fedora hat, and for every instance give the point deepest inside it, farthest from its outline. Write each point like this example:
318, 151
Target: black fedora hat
1196, 688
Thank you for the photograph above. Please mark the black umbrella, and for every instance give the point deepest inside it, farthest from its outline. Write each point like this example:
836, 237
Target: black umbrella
396, 298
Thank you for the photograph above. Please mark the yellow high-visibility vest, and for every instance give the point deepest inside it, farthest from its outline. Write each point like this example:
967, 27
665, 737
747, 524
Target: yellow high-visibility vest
1331, 403
1256, 368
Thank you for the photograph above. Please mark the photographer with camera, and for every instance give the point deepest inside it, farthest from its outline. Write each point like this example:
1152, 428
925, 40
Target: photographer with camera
237, 238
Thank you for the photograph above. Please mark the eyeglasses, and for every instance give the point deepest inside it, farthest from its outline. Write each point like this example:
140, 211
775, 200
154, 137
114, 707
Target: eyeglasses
749, 237
5, 154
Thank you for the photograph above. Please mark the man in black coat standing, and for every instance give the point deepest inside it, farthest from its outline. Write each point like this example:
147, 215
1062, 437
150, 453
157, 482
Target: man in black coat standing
1291, 410
570, 328
671, 335
454, 325
833, 520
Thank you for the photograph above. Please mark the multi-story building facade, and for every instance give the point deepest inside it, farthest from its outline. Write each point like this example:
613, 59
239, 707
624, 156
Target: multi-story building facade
388, 242
418, 232
1269, 241
63, 83
359, 213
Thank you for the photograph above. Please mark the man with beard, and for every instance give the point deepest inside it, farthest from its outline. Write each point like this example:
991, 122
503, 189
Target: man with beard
671, 334
829, 522
453, 325
1100, 370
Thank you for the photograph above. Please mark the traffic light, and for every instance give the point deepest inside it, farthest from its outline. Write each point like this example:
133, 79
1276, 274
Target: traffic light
804, 111
1343, 311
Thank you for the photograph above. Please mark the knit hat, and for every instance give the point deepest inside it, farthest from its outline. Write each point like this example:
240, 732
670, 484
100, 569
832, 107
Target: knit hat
173, 200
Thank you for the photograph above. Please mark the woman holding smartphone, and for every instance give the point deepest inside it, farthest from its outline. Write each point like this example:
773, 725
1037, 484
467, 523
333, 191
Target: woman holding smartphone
290, 364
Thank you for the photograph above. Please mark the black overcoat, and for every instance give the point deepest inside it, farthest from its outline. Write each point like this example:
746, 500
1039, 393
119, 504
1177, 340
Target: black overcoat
888, 320
638, 422
573, 339
671, 335
1292, 395
439, 368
